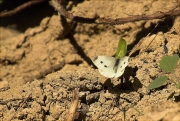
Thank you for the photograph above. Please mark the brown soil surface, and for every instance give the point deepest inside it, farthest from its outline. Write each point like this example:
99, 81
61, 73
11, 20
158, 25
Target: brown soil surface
42, 66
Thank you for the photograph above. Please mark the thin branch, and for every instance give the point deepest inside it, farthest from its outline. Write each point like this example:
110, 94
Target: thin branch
61, 9
98, 20
158, 15
19, 8
70, 16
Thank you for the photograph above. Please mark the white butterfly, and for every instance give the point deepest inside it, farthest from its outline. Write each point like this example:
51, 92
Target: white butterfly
109, 66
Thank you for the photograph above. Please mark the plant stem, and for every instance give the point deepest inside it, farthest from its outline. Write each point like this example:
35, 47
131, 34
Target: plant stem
176, 77
173, 82
138, 111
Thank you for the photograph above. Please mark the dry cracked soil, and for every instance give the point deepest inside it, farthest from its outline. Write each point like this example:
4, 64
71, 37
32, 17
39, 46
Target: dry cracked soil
41, 65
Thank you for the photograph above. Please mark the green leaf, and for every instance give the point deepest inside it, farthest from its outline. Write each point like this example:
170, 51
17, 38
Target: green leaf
158, 82
168, 63
122, 48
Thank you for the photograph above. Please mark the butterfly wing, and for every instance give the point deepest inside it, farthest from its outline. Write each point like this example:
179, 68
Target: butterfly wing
105, 64
121, 66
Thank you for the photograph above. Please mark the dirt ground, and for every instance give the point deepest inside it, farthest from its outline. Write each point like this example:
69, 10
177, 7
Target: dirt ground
42, 66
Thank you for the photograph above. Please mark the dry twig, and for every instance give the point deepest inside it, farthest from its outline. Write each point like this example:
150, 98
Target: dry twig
19, 8
98, 20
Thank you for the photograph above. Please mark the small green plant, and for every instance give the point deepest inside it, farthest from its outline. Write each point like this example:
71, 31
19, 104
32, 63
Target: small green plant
122, 48
167, 64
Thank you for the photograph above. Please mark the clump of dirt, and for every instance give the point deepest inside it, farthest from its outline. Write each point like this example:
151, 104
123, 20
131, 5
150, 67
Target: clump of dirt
41, 67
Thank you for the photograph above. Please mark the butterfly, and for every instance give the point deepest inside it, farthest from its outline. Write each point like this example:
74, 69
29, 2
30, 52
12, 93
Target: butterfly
111, 67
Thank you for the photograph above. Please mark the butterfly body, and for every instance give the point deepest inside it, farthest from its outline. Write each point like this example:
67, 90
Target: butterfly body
109, 66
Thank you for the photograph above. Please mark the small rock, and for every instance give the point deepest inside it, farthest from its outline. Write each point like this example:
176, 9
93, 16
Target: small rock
4, 85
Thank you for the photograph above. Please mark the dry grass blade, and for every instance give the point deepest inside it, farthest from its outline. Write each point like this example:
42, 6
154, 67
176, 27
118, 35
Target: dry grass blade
73, 107
140, 42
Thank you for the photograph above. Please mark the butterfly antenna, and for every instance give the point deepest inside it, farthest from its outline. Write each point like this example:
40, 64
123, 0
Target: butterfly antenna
140, 42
